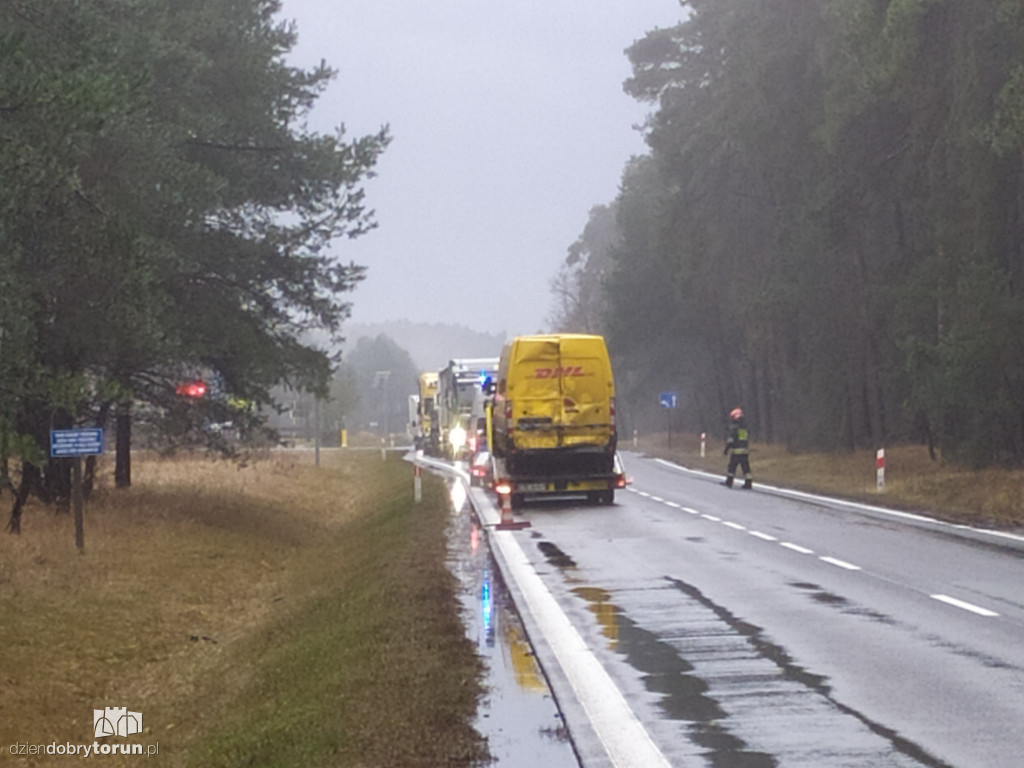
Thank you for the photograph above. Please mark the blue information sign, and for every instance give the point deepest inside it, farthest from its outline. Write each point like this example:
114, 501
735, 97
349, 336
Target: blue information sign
668, 399
76, 442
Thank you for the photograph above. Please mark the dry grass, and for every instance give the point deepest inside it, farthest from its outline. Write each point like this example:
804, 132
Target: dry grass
269, 615
991, 498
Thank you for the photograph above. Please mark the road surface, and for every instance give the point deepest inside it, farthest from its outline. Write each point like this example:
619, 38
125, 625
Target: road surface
693, 625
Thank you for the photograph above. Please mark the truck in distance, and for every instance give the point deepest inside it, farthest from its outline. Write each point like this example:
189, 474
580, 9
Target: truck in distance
460, 404
425, 437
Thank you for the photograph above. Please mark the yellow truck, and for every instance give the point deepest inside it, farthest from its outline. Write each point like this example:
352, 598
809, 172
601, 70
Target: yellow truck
553, 419
425, 436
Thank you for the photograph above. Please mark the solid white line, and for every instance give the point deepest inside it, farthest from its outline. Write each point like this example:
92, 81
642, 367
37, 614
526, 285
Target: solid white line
764, 536
840, 563
624, 738
855, 505
797, 548
737, 526
620, 732
966, 606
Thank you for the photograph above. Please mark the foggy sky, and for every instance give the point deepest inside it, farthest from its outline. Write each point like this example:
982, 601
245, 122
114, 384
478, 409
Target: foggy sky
509, 123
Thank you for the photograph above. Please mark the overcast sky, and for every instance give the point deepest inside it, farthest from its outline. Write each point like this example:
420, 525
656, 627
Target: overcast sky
509, 123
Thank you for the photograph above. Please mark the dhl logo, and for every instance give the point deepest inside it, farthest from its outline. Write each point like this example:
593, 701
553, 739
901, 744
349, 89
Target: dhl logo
569, 371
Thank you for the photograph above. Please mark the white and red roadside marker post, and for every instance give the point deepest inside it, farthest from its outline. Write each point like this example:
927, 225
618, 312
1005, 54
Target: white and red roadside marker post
880, 470
703, 444
417, 483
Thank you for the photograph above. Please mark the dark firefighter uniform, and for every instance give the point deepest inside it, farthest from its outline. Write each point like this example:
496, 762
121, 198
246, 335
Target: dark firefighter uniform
737, 448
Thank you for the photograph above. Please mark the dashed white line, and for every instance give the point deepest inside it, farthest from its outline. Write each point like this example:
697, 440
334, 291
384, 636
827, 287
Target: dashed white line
841, 563
797, 548
805, 551
964, 605
852, 504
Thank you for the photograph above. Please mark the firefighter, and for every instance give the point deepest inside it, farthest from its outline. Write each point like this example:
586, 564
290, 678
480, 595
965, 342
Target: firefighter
737, 448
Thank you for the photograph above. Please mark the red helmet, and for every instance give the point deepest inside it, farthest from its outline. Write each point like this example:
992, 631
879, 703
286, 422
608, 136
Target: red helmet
736, 414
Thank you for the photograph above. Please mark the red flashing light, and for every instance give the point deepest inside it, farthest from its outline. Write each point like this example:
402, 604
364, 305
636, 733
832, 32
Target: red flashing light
193, 389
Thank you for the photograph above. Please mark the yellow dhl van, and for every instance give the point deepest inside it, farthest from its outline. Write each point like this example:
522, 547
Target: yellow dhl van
553, 417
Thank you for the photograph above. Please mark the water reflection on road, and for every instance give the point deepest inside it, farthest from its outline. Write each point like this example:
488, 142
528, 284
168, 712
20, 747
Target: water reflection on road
517, 714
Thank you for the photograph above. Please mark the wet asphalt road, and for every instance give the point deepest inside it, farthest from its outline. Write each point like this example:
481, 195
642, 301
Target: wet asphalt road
747, 630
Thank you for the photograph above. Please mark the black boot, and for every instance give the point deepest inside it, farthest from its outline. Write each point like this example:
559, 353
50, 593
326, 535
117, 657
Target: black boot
748, 484
728, 482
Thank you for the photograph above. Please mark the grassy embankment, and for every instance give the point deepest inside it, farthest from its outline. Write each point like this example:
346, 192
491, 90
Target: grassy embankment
275, 615
985, 498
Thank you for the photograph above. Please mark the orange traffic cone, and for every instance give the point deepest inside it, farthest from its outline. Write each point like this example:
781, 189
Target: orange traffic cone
507, 523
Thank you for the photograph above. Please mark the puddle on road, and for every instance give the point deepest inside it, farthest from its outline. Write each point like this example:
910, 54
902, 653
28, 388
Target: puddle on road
556, 556
819, 595
683, 695
517, 713
770, 671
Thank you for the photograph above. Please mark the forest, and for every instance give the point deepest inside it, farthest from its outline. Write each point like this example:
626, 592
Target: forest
828, 229
164, 213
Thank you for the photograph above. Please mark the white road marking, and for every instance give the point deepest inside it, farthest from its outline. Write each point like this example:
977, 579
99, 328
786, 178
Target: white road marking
691, 510
965, 606
853, 504
657, 499
797, 548
672, 504
736, 526
764, 536
621, 733
841, 563
712, 518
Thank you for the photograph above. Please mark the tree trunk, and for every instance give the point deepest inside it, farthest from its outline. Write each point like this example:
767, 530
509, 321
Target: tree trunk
123, 462
89, 478
58, 470
30, 479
